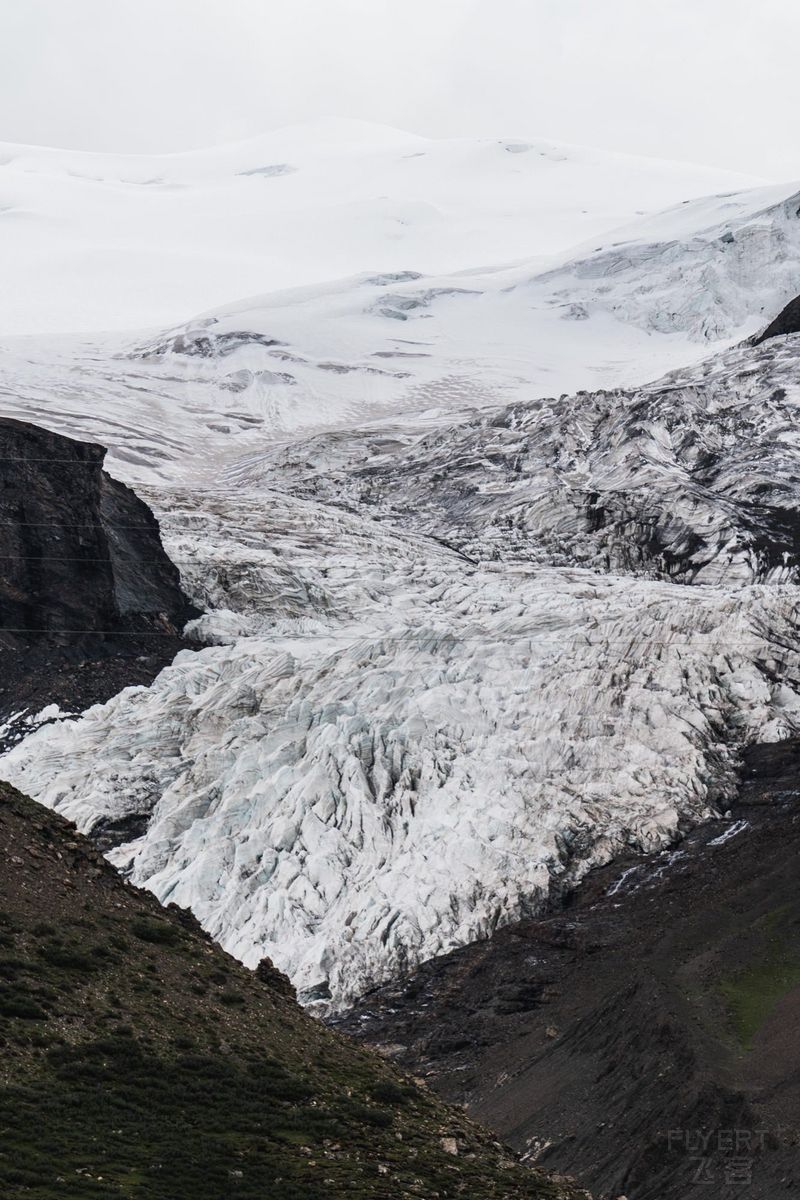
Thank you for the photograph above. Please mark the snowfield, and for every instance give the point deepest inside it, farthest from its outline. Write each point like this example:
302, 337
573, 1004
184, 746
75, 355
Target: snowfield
181, 403
103, 241
484, 607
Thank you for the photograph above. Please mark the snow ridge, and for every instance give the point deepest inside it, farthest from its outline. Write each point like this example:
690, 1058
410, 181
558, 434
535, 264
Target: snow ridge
99, 241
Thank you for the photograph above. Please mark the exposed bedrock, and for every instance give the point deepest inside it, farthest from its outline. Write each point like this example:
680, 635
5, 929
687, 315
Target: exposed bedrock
89, 600
787, 321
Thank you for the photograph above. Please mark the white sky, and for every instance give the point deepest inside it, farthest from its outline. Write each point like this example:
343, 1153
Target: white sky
712, 81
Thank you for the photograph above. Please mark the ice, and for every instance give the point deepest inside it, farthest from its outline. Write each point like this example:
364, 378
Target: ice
406, 750
442, 525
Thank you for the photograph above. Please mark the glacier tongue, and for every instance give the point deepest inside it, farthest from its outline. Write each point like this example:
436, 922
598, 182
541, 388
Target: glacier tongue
391, 750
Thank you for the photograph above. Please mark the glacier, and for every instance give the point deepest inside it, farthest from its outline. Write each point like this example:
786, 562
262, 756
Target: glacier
418, 720
437, 750
499, 570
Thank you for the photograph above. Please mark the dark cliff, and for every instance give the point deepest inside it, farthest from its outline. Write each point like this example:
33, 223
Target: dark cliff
89, 600
787, 321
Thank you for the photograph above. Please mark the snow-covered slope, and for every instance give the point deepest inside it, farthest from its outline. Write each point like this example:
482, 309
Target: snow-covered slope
101, 241
661, 292
180, 403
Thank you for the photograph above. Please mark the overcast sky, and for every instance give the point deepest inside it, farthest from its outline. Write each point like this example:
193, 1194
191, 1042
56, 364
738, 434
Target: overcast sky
712, 81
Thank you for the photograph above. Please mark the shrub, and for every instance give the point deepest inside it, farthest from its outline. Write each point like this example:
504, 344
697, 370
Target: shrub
21, 1007
68, 958
158, 933
387, 1092
231, 998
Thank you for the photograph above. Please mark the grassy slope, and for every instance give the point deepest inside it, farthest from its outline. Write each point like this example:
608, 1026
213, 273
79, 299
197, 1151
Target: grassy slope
754, 992
139, 1060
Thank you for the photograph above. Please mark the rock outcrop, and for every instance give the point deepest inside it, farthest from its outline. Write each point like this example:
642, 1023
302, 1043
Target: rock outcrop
645, 1037
89, 600
787, 321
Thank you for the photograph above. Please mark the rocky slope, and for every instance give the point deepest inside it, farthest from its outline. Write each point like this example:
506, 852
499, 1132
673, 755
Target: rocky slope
645, 1037
786, 322
139, 1060
89, 600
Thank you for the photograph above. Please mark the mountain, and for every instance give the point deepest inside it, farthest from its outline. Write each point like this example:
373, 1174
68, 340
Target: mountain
107, 241
89, 600
453, 669
181, 404
139, 1060
451, 662
645, 1037
497, 567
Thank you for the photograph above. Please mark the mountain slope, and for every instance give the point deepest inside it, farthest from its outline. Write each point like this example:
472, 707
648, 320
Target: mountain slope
98, 241
140, 1061
453, 660
645, 1038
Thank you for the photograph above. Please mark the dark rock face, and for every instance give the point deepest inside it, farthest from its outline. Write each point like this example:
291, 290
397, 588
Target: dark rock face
787, 321
89, 600
644, 1039
269, 974
81, 553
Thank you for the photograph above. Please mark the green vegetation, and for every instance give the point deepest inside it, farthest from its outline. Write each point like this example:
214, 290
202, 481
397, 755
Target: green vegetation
140, 1061
753, 993
158, 933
